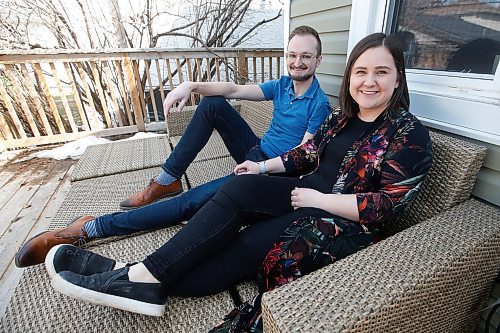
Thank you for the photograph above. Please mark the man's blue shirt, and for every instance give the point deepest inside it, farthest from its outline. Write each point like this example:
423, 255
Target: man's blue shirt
292, 116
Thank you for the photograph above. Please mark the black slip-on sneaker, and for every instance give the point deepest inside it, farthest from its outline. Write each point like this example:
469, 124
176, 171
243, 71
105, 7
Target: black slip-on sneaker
113, 289
66, 257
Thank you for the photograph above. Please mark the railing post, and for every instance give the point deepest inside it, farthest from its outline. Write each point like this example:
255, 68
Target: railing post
140, 89
4, 128
50, 99
36, 100
132, 87
12, 112
95, 125
242, 69
9, 71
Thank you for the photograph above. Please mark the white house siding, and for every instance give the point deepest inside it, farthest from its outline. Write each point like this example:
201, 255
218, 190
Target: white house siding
487, 186
331, 18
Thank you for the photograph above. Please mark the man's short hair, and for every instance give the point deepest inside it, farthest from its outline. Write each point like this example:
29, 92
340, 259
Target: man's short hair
306, 30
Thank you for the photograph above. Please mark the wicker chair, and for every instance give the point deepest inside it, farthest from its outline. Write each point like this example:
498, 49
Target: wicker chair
103, 176
432, 275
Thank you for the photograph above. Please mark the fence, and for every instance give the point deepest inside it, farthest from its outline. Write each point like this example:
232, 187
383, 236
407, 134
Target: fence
52, 96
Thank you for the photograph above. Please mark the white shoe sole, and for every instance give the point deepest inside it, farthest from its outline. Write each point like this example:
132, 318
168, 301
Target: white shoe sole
113, 301
49, 261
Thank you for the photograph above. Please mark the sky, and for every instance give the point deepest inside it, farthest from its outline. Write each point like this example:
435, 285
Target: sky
270, 35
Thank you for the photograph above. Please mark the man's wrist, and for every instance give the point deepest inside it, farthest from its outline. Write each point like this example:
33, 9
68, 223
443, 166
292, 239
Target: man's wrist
262, 167
191, 86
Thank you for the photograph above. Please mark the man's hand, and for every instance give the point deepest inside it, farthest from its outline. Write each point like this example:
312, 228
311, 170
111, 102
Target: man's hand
247, 168
306, 197
180, 94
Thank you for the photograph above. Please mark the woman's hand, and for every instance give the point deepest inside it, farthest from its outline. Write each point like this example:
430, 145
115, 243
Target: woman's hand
247, 168
306, 197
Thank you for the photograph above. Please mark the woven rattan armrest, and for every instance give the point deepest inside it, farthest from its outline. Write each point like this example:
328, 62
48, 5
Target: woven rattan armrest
257, 114
432, 277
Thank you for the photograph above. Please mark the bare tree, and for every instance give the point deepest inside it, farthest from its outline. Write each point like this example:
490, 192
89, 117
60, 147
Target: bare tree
86, 24
136, 24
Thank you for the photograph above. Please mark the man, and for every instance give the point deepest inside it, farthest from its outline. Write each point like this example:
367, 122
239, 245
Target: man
300, 106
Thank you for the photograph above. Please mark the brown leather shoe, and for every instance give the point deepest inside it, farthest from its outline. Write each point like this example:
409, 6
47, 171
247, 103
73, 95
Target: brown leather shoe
151, 193
33, 252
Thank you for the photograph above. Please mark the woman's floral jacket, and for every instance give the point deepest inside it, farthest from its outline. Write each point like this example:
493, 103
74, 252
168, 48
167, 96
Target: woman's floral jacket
385, 169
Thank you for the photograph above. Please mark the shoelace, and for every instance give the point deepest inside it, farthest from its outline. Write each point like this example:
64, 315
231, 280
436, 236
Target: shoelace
81, 239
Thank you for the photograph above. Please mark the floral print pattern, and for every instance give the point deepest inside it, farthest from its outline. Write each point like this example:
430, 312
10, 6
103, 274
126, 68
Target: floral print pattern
384, 170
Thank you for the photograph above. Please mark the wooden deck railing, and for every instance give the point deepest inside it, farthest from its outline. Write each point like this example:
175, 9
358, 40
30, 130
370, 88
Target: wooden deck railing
57, 96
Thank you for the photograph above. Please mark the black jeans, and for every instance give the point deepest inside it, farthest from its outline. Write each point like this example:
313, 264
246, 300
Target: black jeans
212, 252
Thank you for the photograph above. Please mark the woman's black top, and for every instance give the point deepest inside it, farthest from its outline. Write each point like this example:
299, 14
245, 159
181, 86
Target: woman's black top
332, 156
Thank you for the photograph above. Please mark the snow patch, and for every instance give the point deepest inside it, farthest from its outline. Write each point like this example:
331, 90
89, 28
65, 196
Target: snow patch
73, 149
8, 155
142, 135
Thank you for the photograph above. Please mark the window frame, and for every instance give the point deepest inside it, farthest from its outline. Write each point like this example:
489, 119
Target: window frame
440, 99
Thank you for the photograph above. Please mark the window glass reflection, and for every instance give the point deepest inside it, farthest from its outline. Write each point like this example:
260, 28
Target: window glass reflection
450, 35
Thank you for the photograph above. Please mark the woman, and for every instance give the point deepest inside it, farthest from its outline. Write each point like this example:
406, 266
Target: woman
360, 171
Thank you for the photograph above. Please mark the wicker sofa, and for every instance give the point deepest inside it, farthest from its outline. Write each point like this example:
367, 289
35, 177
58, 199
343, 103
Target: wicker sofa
432, 275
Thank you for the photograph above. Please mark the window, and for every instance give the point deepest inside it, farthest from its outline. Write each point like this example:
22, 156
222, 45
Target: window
449, 35
452, 55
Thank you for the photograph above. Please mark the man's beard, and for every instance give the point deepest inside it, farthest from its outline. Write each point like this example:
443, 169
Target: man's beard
301, 78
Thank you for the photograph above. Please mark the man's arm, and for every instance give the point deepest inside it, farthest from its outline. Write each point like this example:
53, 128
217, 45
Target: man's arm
318, 117
228, 90
182, 93
306, 137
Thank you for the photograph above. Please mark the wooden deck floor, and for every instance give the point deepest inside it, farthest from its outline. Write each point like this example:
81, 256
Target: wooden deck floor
30, 194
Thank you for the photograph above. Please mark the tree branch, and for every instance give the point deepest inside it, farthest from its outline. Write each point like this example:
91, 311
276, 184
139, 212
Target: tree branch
239, 41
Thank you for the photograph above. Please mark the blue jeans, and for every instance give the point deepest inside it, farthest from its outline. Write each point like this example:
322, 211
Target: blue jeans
159, 214
212, 113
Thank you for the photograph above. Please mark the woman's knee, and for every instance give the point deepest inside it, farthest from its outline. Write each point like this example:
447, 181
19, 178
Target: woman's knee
239, 186
234, 192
